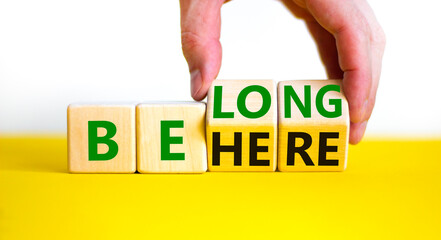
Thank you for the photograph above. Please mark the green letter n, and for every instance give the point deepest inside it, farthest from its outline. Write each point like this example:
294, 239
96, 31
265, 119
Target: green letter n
94, 140
291, 94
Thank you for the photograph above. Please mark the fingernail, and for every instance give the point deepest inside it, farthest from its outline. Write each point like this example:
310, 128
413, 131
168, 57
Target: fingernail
362, 129
365, 109
195, 82
363, 126
357, 132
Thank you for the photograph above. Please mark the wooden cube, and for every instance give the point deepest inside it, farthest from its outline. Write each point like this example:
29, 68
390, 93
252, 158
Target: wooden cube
242, 125
313, 126
171, 137
101, 138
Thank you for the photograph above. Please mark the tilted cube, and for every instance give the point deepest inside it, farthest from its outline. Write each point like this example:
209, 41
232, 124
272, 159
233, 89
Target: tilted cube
313, 126
242, 125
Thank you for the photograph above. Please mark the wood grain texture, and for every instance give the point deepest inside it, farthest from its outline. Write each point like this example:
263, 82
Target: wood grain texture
149, 117
122, 116
315, 125
226, 128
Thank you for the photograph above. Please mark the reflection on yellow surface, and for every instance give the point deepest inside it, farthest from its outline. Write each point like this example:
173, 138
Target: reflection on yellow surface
390, 190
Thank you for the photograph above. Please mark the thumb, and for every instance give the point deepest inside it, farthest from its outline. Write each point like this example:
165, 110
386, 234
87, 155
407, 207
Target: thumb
200, 33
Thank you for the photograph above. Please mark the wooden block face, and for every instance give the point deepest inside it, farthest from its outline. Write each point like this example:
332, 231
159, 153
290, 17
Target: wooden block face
171, 137
101, 138
242, 125
313, 126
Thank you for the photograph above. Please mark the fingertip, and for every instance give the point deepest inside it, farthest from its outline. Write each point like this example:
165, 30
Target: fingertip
204, 62
200, 33
195, 82
356, 132
197, 91
370, 107
198, 97
199, 85
358, 112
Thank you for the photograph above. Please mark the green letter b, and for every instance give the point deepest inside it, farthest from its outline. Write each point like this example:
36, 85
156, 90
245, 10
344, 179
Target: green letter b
94, 140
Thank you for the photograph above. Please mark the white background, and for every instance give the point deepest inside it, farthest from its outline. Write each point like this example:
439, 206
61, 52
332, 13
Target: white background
56, 52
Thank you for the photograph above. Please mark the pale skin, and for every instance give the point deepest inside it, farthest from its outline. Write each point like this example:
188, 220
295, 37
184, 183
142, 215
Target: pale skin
349, 39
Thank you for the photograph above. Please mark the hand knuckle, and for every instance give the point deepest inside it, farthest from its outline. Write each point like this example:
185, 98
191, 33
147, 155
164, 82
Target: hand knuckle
190, 40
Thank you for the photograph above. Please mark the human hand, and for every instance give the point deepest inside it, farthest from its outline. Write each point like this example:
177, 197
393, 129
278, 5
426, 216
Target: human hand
348, 37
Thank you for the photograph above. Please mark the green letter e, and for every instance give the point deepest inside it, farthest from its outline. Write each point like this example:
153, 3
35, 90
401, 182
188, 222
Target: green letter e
94, 140
166, 140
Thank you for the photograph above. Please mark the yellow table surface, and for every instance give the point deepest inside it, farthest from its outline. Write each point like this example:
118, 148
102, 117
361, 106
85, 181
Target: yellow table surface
390, 190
